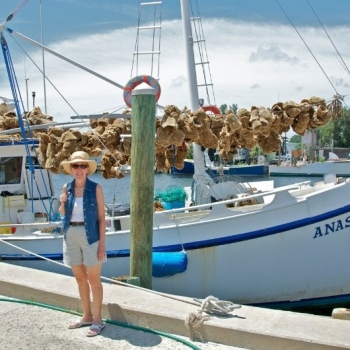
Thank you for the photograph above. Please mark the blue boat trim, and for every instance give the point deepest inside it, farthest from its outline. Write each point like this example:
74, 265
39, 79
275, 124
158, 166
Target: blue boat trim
255, 169
21, 257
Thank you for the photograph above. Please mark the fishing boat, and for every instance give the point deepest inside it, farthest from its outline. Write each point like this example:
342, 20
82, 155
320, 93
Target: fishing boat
334, 165
238, 166
214, 169
339, 168
249, 243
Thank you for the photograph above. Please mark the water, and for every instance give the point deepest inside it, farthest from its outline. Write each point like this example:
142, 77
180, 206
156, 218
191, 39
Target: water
118, 190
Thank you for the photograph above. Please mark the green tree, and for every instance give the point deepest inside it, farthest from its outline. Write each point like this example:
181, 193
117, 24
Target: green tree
336, 131
295, 139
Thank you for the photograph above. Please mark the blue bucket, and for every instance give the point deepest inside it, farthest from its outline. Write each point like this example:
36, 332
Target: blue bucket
173, 205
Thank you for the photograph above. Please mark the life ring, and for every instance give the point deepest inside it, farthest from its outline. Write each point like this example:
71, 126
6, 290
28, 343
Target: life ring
133, 82
211, 108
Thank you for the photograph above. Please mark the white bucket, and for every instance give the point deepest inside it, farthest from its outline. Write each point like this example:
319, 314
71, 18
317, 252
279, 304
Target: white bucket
26, 217
330, 178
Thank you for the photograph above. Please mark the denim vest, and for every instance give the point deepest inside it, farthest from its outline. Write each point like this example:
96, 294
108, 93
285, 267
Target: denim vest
89, 207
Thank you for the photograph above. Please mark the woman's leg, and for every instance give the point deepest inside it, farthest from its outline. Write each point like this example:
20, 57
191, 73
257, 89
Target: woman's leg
81, 277
94, 279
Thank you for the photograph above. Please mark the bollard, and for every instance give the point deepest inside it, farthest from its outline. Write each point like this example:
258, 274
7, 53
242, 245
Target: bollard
142, 183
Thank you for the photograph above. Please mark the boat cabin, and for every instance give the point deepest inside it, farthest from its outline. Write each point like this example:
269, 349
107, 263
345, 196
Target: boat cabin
25, 187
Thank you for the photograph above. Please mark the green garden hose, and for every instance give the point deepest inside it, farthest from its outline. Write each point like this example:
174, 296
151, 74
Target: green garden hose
116, 323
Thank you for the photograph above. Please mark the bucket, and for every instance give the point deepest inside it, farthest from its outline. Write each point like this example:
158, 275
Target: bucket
5, 230
330, 178
26, 217
40, 217
173, 205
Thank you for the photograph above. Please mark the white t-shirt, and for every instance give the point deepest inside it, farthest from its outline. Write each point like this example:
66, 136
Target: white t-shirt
78, 212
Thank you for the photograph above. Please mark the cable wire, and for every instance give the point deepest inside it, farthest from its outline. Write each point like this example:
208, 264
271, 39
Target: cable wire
340, 56
17, 9
307, 47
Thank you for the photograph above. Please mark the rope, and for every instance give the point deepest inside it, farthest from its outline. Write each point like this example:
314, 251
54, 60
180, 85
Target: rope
193, 321
211, 305
34, 254
10, 16
324, 29
318, 63
113, 281
202, 50
87, 125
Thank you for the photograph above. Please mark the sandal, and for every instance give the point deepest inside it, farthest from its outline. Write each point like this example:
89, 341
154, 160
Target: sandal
95, 329
77, 323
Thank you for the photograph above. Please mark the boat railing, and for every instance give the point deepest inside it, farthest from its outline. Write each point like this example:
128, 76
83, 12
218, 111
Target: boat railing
255, 195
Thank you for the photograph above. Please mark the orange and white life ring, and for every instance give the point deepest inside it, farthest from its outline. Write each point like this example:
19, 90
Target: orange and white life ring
133, 82
211, 108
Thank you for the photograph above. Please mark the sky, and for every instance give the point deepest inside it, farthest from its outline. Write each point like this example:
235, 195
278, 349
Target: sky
260, 52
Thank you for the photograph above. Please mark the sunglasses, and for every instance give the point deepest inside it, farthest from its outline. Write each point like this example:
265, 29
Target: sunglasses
77, 166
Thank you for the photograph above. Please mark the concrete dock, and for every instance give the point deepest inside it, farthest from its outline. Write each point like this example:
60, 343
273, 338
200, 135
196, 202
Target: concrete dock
245, 328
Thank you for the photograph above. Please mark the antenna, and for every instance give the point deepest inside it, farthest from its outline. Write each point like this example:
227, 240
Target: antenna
43, 55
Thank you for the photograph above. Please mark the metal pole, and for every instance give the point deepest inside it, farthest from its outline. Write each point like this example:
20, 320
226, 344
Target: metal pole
43, 56
26, 79
198, 155
142, 184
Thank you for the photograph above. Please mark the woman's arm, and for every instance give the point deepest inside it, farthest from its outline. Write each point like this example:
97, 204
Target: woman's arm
101, 222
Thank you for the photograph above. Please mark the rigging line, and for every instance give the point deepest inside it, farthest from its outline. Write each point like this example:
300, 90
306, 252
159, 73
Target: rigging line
341, 58
16, 93
307, 46
206, 54
202, 49
153, 39
341, 63
76, 113
19, 6
40, 70
136, 47
160, 37
34, 254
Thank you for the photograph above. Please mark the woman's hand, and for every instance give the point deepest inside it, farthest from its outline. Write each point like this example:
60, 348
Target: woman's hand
63, 197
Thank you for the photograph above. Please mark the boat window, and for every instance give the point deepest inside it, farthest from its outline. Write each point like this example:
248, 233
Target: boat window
10, 170
35, 162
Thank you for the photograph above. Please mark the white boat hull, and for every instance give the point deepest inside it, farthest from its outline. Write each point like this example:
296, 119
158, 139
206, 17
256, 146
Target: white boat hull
288, 251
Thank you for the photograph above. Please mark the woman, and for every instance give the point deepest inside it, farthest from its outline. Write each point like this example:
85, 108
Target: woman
84, 230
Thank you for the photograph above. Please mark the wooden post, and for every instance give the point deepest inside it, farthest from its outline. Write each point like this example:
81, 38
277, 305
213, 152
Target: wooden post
142, 183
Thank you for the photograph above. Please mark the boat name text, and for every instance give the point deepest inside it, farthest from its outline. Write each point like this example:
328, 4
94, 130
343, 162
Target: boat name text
332, 227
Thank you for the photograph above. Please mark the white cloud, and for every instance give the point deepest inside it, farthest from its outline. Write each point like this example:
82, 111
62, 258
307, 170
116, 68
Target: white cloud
250, 64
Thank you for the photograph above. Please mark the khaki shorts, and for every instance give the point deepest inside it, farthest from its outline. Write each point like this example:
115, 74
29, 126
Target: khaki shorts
77, 250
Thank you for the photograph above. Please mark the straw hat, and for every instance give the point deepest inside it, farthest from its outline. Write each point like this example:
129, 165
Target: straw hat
79, 157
